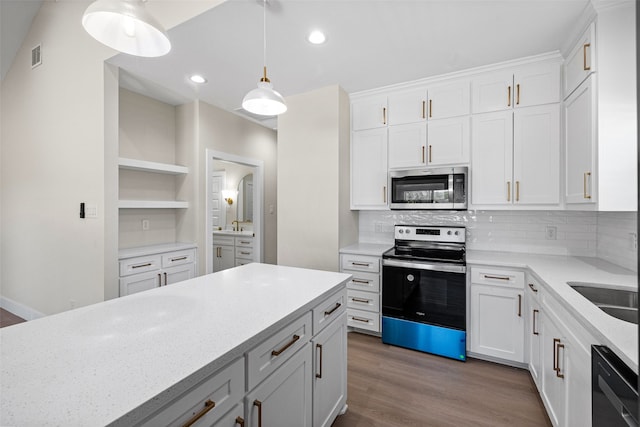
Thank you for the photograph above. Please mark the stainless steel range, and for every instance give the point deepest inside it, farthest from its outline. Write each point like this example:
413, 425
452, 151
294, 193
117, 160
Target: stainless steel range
424, 290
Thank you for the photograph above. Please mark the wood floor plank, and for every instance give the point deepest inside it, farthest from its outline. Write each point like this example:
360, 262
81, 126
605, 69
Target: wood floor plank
392, 386
7, 318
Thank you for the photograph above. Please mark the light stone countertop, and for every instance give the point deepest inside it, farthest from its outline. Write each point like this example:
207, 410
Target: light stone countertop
153, 249
556, 271
233, 233
98, 364
371, 249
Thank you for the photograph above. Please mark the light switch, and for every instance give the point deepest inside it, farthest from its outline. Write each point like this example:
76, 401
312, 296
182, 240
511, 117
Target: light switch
91, 211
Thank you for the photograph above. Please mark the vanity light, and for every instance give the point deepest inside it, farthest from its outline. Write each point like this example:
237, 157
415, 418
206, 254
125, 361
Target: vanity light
229, 196
197, 78
316, 37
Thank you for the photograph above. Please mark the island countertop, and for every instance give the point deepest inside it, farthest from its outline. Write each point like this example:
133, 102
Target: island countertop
96, 364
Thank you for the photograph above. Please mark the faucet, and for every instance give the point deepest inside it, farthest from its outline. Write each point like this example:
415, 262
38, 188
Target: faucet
237, 225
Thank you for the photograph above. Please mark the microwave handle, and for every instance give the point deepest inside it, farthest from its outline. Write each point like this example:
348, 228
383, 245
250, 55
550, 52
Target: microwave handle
451, 188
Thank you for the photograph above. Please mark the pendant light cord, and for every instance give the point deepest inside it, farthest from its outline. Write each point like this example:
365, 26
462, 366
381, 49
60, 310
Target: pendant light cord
264, 39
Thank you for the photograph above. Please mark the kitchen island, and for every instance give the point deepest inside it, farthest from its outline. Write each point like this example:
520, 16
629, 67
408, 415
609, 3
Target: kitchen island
124, 361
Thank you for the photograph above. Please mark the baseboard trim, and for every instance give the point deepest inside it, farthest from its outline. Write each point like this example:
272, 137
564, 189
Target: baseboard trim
20, 310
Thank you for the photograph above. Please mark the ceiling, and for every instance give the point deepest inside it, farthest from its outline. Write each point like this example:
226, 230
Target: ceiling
370, 44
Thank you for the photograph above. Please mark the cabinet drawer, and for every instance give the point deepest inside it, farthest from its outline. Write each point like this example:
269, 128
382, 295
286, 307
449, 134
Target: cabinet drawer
363, 320
223, 240
178, 258
140, 265
275, 350
360, 263
497, 277
240, 261
245, 253
367, 301
534, 289
224, 388
365, 282
329, 309
244, 242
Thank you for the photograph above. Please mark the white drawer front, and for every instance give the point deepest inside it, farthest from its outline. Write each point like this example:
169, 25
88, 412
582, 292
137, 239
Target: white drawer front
367, 301
360, 263
178, 258
244, 253
277, 349
223, 241
240, 262
497, 277
224, 389
244, 242
328, 310
140, 265
364, 282
363, 320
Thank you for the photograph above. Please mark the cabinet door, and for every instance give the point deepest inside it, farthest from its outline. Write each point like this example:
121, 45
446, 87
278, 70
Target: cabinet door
580, 143
536, 84
580, 62
140, 282
491, 157
492, 92
369, 169
369, 113
553, 385
407, 146
178, 274
223, 257
408, 107
284, 398
536, 155
448, 141
497, 322
330, 379
449, 100
578, 378
533, 337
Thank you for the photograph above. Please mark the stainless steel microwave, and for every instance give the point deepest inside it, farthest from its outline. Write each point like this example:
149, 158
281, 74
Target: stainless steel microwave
437, 188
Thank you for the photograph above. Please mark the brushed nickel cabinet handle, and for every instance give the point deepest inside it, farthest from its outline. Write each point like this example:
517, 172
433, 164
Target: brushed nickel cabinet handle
488, 276
361, 300
517, 191
330, 312
245, 253
533, 288
208, 405
508, 191
430, 158
363, 282
584, 57
519, 305
518, 94
245, 243
159, 279
258, 404
384, 194
535, 313
141, 265
584, 184
358, 319
509, 96
286, 346
319, 375
165, 279
240, 421
423, 154
384, 115
430, 109
361, 264
558, 347
182, 258
424, 107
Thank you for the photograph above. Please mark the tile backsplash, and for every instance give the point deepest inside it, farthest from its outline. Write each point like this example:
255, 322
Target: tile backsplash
602, 234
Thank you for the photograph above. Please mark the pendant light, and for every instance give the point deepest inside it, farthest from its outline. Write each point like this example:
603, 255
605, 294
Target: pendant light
126, 26
264, 101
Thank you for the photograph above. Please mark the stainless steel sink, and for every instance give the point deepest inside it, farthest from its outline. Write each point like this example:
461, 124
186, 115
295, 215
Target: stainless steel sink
621, 304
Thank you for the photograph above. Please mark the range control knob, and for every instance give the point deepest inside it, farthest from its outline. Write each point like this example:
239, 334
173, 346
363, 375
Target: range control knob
408, 231
401, 231
449, 232
456, 233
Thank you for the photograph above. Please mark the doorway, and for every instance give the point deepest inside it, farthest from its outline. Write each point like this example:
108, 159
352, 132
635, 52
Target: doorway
248, 181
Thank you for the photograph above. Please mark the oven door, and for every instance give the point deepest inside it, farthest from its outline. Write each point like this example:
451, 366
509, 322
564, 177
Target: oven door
427, 293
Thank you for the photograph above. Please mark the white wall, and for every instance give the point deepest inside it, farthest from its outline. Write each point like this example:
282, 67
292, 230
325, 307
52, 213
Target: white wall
311, 178
616, 234
53, 150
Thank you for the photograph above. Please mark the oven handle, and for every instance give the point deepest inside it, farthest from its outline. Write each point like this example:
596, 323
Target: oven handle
448, 268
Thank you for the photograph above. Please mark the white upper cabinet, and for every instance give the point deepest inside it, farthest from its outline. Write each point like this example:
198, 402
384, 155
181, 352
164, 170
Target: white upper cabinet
581, 61
369, 169
369, 113
408, 107
449, 100
533, 84
448, 141
407, 146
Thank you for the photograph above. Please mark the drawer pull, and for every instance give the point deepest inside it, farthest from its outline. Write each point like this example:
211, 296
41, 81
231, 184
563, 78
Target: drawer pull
208, 405
358, 319
487, 276
558, 374
240, 421
533, 288
584, 57
182, 258
535, 312
361, 264
519, 305
364, 282
165, 279
159, 279
319, 346
259, 405
245, 253
364, 301
245, 243
141, 265
330, 312
286, 346
555, 354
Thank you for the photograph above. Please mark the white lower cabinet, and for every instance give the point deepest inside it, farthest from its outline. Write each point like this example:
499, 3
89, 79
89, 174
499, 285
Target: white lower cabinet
233, 418
363, 290
224, 253
497, 313
284, 399
532, 328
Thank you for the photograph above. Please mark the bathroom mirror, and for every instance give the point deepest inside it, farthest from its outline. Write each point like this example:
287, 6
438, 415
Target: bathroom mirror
245, 199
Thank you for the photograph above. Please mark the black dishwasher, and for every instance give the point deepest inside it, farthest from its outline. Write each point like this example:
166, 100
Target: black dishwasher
614, 390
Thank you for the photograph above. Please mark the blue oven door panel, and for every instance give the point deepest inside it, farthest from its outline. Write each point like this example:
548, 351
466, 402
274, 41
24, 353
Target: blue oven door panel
445, 342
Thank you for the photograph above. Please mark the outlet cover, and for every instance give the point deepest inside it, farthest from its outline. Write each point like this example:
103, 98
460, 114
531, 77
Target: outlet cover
145, 224
552, 232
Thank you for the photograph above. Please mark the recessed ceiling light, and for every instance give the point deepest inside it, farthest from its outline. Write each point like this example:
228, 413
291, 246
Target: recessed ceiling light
316, 37
197, 78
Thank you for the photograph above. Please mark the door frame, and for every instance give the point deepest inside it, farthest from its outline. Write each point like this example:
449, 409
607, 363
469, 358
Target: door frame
258, 202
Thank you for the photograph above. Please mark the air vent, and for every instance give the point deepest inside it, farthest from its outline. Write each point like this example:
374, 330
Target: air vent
270, 122
36, 56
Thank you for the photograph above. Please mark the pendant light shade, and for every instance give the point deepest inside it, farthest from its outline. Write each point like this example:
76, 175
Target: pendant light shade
264, 101
127, 26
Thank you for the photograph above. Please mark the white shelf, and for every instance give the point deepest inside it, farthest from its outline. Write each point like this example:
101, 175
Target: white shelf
142, 165
152, 204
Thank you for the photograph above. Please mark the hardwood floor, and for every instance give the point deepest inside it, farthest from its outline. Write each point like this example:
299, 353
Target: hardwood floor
7, 318
392, 386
